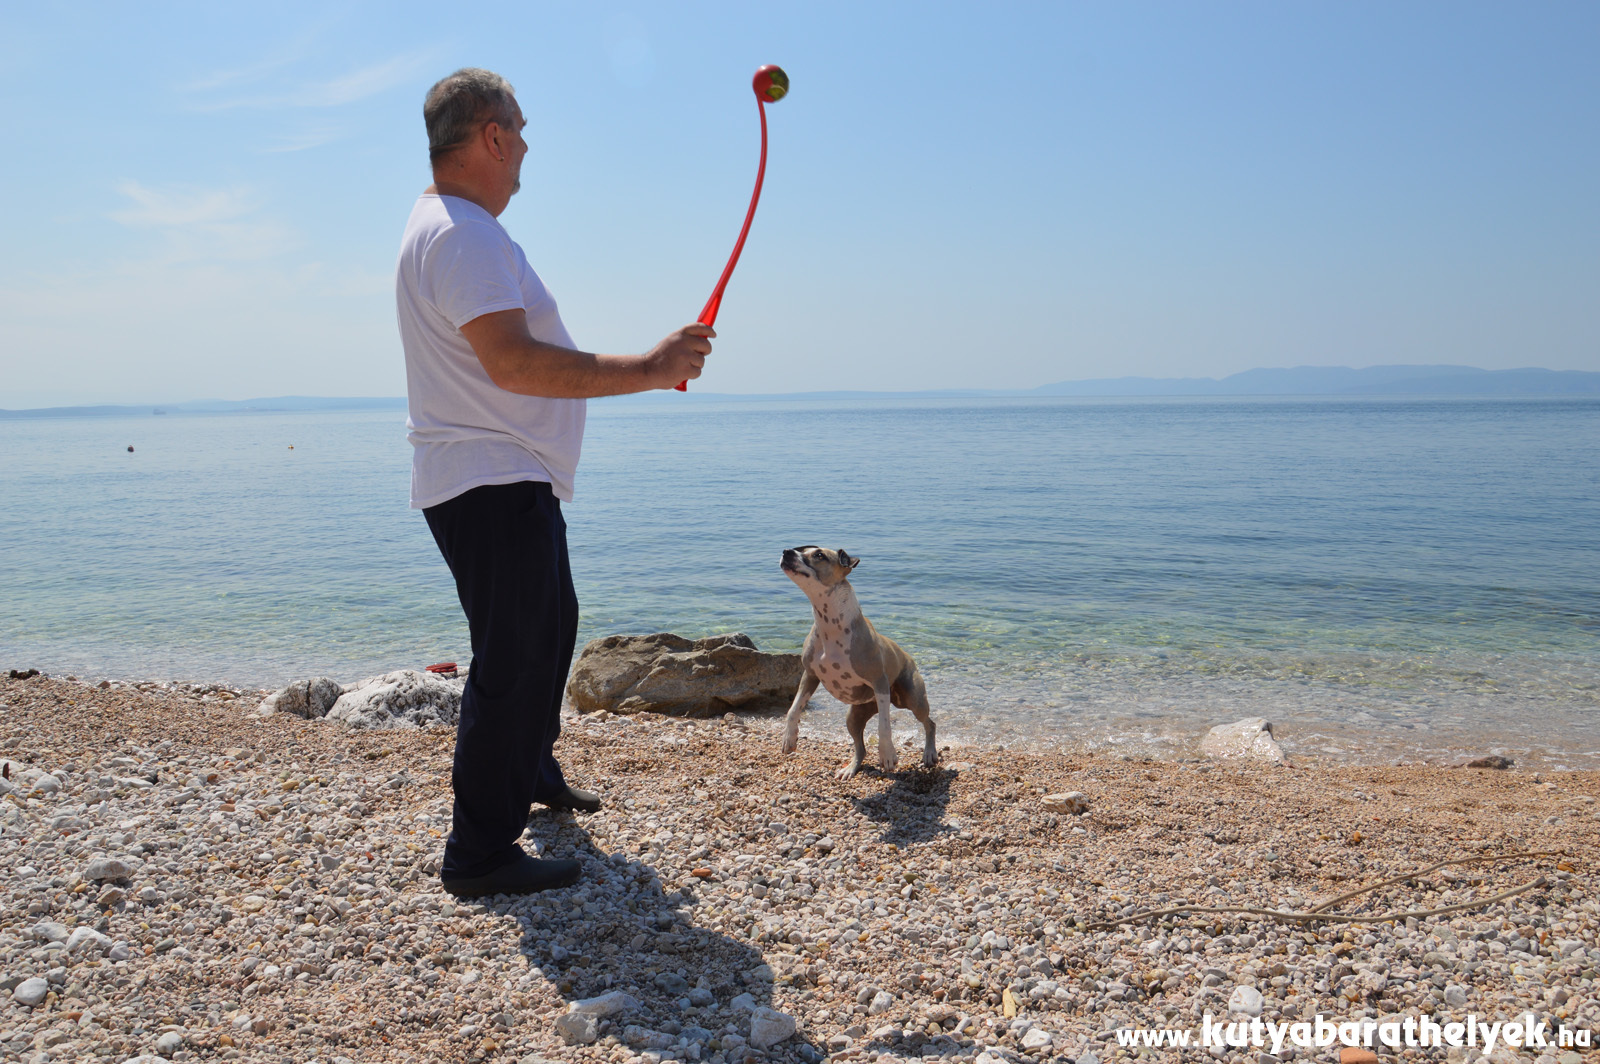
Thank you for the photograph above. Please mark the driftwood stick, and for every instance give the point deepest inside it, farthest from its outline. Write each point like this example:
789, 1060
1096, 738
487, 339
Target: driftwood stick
1430, 868
1316, 916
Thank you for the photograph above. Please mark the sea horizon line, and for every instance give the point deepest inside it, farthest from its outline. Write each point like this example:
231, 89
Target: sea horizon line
1413, 381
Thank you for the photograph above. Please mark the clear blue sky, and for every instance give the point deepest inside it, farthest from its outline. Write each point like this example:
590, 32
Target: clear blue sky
205, 200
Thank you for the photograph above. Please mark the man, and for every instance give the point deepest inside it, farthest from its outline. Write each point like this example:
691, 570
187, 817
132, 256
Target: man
496, 393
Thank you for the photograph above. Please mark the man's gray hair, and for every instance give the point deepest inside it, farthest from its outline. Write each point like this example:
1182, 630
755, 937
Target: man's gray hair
459, 105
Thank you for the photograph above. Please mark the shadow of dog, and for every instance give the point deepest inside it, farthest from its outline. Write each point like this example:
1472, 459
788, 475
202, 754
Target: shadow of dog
913, 808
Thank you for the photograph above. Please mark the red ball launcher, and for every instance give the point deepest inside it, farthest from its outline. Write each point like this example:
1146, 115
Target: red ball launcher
771, 84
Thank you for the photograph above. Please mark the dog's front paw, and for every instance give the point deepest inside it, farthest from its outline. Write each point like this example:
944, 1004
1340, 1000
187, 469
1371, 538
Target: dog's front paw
790, 742
849, 771
888, 760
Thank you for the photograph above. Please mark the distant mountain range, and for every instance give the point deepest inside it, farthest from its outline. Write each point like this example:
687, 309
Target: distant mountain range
281, 404
1439, 381
1341, 380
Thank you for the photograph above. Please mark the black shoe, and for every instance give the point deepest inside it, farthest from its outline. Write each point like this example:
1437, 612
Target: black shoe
573, 798
525, 875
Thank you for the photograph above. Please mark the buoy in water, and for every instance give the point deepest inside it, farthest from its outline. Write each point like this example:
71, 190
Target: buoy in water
130, 448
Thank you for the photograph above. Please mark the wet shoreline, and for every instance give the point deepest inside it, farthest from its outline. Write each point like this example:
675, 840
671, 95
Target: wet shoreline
1128, 715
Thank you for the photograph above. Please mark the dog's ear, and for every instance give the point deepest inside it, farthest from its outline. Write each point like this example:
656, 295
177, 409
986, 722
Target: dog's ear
848, 562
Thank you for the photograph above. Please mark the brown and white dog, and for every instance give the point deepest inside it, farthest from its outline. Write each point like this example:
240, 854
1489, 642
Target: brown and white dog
844, 653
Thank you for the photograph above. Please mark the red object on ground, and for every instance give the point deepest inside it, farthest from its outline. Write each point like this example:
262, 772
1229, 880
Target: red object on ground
445, 666
770, 83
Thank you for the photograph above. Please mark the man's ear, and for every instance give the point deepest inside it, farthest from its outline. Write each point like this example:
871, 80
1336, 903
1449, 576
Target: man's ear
848, 562
492, 133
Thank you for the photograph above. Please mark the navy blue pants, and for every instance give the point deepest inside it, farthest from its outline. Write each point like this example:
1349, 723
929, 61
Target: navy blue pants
506, 545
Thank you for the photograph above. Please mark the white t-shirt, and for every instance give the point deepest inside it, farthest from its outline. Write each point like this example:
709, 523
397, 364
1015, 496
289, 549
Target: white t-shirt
456, 264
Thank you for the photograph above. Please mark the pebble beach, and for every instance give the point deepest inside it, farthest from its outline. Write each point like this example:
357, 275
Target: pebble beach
182, 879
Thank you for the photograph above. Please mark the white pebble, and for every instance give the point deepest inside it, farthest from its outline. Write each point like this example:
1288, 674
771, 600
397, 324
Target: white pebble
1246, 1001
31, 991
768, 1027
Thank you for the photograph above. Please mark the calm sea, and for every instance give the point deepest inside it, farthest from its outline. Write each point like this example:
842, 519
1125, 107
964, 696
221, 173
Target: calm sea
1381, 579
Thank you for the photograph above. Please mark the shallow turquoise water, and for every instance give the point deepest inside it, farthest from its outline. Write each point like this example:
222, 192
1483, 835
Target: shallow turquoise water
1379, 578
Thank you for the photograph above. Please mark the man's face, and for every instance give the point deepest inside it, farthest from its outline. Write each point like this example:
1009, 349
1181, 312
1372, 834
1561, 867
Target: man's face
516, 148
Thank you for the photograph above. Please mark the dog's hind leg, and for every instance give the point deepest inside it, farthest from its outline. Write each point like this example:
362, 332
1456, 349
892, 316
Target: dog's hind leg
791, 723
855, 722
887, 758
917, 702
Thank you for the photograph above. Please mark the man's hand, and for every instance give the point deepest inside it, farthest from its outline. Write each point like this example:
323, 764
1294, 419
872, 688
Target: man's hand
680, 357
517, 362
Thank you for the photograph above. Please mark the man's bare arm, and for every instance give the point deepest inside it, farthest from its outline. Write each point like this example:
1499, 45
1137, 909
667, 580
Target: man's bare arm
518, 363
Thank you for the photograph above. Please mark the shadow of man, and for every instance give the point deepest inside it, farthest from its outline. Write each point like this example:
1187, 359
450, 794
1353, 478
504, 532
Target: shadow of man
913, 808
629, 952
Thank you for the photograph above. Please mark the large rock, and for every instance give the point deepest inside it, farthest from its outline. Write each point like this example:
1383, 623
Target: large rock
1073, 803
1245, 1001
768, 1027
1035, 1039
31, 991
578, 1028
51, 931
103, 868
1250, 739
665, 673
403, 699
304, 698
87, 939
605, 1005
